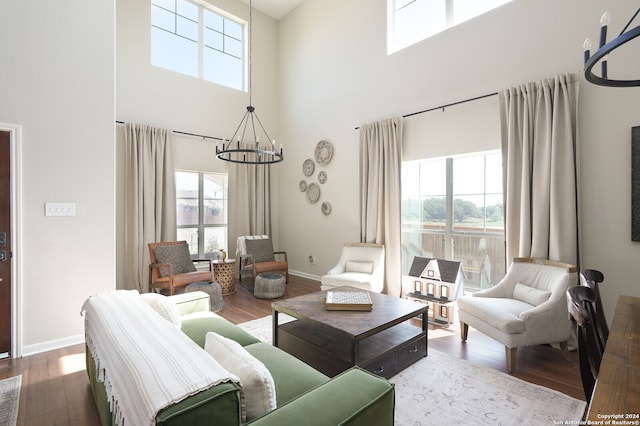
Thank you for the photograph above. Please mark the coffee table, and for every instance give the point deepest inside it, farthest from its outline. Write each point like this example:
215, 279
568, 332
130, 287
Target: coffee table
381, 341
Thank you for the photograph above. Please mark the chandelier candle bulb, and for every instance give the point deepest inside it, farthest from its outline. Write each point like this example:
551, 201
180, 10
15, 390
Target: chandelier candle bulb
604, 23
587, 49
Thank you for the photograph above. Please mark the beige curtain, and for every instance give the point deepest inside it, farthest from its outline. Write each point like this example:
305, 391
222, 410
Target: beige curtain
150, 198
539, 144
380, 194
249, 201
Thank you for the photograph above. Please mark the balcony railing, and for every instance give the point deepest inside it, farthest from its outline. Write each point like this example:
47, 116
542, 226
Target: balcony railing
482, 254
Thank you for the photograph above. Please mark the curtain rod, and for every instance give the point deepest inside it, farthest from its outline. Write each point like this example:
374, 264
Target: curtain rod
188, 134
442, 107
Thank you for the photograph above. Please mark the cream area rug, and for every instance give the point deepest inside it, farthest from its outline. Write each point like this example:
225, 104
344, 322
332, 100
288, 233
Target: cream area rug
9, 399
445, 390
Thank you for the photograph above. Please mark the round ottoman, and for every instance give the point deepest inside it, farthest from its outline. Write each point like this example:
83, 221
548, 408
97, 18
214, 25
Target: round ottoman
269, 286
213, 289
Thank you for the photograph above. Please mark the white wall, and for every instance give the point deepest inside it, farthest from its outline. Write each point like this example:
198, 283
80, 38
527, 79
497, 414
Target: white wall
335, 75
151, 95
57, 82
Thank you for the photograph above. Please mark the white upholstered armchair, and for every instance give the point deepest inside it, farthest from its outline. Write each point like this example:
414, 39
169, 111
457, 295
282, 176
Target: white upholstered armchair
361, 265
528, 307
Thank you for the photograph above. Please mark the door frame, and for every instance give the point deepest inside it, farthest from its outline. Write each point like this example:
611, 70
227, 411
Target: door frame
15, 142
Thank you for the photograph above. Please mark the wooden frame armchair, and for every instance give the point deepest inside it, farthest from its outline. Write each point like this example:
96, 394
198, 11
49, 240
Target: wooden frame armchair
172, 267
256, 255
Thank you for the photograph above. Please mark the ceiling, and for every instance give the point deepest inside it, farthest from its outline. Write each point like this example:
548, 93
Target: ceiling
277, 9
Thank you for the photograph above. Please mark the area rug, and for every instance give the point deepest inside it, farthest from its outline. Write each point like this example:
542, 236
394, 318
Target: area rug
445, 390
9, 399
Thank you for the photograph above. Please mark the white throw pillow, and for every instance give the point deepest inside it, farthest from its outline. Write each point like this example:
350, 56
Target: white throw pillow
530, 295
166, 307
362, 267
256, 380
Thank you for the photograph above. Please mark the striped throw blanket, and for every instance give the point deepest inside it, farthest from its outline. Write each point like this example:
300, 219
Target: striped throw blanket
145, 362
241, 245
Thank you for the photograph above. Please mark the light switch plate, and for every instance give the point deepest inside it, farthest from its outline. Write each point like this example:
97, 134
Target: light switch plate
59, 209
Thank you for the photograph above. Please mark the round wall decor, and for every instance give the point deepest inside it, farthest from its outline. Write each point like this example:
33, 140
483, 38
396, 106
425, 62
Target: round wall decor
324, 152
302, 186
322, 177
313, 192
308, 167
326, 208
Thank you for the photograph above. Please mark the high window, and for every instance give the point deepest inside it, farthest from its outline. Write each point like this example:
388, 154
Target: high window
452, 209
409, 21
198, 41
201, 203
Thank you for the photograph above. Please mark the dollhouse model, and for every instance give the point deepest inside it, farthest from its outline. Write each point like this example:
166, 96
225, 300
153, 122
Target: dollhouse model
437, 282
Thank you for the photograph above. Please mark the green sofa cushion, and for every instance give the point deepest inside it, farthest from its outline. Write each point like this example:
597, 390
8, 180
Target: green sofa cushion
291, 376
197, 329
218, 405
353, 398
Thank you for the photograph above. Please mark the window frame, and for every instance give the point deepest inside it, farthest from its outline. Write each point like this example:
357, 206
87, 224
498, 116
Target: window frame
448, 232
201, 226
393, 44
201, 42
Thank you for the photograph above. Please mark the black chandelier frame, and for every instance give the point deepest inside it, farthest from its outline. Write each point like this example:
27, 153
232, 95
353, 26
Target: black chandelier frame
600, 56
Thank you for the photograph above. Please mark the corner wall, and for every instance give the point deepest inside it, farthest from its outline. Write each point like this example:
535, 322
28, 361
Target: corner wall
335, 75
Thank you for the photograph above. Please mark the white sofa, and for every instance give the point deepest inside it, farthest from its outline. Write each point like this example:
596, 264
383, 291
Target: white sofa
361, 265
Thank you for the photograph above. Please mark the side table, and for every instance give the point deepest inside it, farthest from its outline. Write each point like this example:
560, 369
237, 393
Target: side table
224, 272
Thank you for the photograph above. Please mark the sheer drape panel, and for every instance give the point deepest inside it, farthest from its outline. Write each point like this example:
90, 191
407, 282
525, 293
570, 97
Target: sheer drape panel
380, 194
249, 201
150, 198
539, 148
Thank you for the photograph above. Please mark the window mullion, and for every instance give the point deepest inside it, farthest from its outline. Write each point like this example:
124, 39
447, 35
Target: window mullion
449, 203
484, 193
200, 42
449, 12
200, 215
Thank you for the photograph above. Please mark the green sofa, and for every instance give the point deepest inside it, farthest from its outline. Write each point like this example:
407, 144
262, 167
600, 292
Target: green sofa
304, 395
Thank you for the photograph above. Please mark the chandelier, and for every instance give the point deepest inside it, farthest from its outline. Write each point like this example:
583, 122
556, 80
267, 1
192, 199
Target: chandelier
235, 150
602, 54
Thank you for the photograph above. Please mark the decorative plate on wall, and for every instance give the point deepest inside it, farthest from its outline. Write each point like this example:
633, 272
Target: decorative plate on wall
322, 177
313, 192
326, 208
302, 185
308, 167
324, 152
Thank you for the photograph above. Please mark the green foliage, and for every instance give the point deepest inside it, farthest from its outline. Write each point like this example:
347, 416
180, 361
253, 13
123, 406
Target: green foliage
434, 210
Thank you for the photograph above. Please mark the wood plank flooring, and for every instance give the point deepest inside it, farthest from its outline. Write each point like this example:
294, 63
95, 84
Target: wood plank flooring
55, 388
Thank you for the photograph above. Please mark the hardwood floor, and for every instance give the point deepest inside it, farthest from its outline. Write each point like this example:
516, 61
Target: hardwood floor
55, 388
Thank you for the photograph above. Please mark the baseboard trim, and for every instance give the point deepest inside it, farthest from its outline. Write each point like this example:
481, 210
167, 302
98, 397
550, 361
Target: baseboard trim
52, 345
305, 275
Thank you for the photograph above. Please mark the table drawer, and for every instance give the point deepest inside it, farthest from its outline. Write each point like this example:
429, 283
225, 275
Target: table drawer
412, 351
385, 367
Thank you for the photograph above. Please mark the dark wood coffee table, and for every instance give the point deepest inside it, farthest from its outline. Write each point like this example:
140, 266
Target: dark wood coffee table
381, 341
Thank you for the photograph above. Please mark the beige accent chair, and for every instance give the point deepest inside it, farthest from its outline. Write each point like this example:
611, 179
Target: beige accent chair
256, 256
528, 307
361, 265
